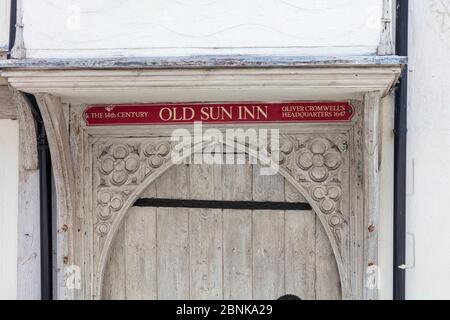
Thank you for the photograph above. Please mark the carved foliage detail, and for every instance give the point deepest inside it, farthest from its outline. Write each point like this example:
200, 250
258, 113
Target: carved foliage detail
318, 158
118, 165
108, 203
317, 163
156, 155
121, 166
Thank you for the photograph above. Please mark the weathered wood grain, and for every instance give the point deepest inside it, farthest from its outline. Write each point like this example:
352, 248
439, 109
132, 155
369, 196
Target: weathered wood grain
371, 192
205, 182
237, 255
173, 184
140, 253
230, 254
28, 230
173, 269
300, 247
267, 188
300, 256
28, 224
205, 229
328, 285
58, 138
268, 255
205, 61
237, 182
173, 236
115, 274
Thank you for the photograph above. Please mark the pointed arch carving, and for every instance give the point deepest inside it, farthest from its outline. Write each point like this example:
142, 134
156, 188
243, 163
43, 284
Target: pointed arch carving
317, 165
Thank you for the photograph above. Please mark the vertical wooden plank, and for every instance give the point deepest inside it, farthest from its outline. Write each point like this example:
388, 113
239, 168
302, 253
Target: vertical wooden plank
28, 254
173, 184
205, 229
206, 253
237, 233
300, 246
173, 236
268, 254
140, 253
173, 253
267, 188
300, 242
268, 238
237, 254
28, 222
237, 182
64, 178
115, 276
205, 182
371, 192
328, 284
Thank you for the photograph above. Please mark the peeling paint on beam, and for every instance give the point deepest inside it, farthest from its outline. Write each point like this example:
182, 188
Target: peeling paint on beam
242, 61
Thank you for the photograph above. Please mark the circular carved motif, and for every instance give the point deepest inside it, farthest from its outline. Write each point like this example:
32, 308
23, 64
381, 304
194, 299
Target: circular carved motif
319, 159
156, 154
327, 197
118, 178
107, 166
131, 165
108, 202
118, 163
335, 220
103, 228
120, 151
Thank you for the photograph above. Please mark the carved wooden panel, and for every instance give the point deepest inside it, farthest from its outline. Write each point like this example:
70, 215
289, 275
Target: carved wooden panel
316, 164
323, 164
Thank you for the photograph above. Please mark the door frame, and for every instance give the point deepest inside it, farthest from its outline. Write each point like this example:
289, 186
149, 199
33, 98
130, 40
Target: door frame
379, 75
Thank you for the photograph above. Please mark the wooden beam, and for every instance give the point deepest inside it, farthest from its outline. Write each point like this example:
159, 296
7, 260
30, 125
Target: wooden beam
58, 140
28, 255
371, 151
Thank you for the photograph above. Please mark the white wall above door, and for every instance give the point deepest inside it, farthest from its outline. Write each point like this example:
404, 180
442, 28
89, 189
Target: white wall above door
87, 28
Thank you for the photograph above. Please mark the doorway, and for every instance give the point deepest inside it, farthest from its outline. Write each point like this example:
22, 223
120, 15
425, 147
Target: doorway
220, 232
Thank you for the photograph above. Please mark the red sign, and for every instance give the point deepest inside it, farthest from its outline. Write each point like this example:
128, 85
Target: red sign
255, 112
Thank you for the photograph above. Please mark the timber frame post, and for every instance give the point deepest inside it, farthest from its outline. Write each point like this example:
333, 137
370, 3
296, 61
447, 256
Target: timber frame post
371, 152
28, 228
58, 139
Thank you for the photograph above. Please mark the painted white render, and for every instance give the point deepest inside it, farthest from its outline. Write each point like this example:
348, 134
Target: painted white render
429, 149
4, 24
84, 28
9, 192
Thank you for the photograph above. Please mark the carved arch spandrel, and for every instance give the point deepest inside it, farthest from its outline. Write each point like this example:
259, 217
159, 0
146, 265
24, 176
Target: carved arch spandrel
312, 163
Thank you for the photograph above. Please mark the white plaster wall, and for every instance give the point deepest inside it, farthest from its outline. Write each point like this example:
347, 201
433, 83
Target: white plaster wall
4, 24
428, 212
83, 28
9, 189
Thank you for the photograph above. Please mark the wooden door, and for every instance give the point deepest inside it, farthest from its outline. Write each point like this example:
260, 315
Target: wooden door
204, 253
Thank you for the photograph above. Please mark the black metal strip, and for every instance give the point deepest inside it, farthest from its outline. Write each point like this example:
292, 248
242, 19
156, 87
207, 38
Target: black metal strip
217, 204
12, 26
45, 199
400, 150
